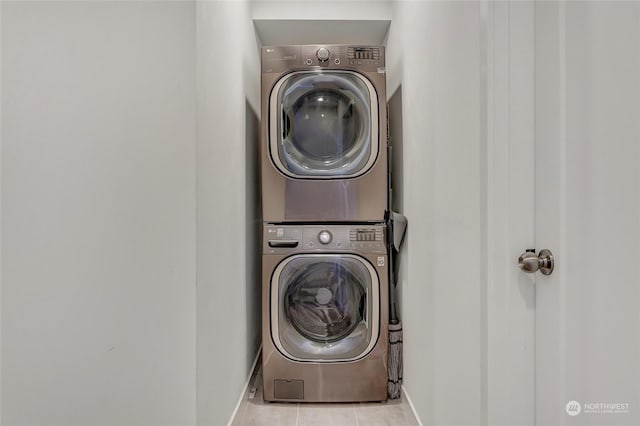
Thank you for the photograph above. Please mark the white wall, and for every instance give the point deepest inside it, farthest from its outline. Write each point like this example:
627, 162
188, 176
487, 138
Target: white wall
435, 56
98, 213
228, 298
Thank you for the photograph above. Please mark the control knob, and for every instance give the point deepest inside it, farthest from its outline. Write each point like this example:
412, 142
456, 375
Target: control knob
323, 54
325, 237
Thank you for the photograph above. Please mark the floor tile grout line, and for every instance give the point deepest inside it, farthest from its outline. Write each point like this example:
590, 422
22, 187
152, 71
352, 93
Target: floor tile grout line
355, 412
297, 414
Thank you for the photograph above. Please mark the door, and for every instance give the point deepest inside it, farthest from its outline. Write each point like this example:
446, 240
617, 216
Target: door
323, 124
325, 307
587, 195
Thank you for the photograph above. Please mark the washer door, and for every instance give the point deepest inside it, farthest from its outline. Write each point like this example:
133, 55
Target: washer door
323, 124
325, 308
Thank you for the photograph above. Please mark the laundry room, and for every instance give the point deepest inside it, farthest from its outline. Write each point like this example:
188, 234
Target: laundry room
204, 203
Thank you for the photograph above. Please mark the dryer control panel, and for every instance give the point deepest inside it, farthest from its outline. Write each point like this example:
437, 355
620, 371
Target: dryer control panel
316, 56
326, 238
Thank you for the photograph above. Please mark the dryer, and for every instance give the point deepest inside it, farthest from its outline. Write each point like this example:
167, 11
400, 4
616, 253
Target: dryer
324, 134
325, 313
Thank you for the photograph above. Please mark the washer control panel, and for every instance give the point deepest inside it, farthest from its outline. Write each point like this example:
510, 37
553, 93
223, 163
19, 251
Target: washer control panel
302, 238
365, 234
325, 237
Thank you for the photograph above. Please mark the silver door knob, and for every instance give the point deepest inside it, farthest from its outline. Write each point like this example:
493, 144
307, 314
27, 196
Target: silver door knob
531, 262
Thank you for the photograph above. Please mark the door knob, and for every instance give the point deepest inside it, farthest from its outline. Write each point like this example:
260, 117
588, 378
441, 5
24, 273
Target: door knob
531, 262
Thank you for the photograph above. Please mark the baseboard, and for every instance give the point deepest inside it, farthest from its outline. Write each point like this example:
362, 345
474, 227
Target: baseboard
246, 387
413, 409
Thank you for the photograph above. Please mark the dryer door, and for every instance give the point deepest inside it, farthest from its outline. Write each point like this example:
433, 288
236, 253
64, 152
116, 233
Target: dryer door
323, 124
325, 307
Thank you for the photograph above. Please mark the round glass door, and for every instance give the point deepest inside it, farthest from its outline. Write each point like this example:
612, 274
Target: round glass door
327, 307
324, 124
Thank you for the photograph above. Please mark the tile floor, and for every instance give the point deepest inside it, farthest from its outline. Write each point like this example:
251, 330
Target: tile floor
253, 411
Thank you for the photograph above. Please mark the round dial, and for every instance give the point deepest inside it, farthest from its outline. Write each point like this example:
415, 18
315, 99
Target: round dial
322, 54
325, 237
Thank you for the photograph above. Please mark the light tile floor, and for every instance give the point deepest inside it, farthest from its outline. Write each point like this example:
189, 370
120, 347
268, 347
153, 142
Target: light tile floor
253, 411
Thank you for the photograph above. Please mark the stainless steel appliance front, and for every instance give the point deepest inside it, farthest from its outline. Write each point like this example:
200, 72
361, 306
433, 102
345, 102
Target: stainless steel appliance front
325, 313
324, 134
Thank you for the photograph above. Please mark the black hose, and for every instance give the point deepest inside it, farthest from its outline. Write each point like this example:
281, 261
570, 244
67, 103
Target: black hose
393, 310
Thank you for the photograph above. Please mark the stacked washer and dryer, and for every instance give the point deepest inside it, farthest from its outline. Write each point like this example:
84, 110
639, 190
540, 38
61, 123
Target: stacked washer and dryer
324, 184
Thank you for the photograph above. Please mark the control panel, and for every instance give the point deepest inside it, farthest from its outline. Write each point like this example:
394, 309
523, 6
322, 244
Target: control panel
279, 58
302, 238
365, 234
364, 53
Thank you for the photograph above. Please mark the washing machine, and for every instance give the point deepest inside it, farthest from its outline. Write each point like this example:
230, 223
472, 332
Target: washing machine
324, 134
325, 313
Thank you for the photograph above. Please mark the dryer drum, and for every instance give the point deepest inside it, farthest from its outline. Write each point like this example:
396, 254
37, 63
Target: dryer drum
323, 127
325, 301
325, 124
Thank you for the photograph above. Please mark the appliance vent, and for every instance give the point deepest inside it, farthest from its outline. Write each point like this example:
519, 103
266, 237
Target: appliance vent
288, 389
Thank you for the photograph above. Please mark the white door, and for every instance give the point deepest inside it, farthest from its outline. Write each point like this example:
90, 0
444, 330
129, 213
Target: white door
587, 195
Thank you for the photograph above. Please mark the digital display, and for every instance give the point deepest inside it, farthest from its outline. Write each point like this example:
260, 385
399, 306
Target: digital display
366, 53
365, 235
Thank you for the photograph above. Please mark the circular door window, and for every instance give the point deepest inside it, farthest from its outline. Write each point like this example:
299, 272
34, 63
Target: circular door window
324, 125
326, 309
